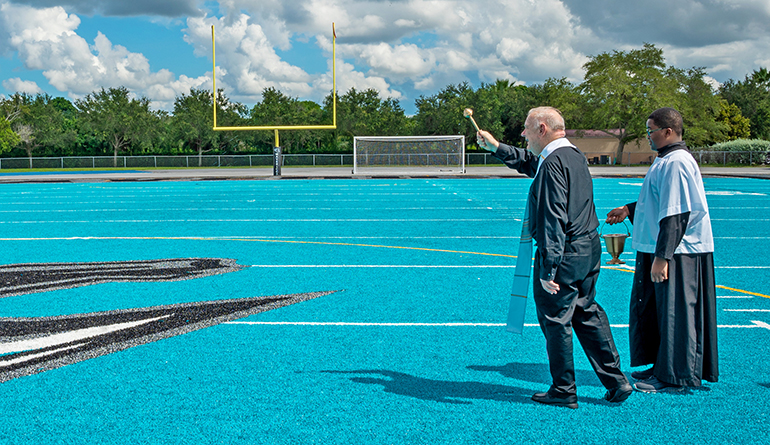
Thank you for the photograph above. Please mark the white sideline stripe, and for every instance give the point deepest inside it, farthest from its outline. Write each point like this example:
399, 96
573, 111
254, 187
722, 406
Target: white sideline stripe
125, 221
419, 266
757, 324
340, 323
415, 266
257, 237
736, 296
740, 219
746, 310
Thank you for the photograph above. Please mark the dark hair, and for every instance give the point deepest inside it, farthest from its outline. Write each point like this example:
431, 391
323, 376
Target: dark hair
668, 118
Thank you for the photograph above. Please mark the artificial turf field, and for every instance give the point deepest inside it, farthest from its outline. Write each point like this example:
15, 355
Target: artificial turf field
408, 348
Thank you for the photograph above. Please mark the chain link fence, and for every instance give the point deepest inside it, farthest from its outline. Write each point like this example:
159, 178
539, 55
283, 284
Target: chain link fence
714, 158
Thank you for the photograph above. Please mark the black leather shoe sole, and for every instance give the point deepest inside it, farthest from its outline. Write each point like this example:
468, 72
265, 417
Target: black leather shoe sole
619, 394
546, 399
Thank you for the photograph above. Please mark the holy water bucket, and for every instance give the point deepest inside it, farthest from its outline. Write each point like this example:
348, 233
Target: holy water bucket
615, 242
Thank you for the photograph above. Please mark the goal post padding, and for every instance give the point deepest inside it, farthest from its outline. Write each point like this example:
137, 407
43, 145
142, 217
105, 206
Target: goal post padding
408, 154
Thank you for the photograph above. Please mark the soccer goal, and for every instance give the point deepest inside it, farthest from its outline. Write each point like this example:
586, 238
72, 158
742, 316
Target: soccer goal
389, 155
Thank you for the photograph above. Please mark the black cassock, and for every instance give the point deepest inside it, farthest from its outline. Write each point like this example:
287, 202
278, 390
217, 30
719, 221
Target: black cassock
672, 324
563, 223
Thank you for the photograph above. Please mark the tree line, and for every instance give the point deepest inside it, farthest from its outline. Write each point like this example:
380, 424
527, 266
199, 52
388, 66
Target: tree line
619, 90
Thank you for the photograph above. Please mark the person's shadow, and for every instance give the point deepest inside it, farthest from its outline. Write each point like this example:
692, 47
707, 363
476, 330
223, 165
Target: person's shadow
438, 390
536, 373
443, 391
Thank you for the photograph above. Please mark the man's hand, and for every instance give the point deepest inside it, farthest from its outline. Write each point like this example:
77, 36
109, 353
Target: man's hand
550, 286
617, 215
486, 141
659, 272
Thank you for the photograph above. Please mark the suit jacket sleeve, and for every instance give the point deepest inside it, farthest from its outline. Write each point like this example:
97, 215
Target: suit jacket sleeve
518, 159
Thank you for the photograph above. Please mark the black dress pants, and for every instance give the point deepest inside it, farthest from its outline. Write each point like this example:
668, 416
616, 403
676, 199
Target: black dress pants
574, 308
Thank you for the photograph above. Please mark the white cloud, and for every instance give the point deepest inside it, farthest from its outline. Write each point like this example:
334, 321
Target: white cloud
509, 50
399, 47
249, 58
398, 61
21, 86
165, 8
47, 40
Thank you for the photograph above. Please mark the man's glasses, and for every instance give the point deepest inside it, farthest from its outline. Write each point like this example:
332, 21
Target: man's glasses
649, 133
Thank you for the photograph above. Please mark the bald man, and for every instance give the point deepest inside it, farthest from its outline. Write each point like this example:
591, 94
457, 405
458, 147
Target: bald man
563, 223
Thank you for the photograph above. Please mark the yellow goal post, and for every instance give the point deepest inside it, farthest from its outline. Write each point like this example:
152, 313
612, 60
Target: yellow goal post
277, 128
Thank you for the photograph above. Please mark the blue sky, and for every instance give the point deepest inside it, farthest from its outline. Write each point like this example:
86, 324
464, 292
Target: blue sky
401, 48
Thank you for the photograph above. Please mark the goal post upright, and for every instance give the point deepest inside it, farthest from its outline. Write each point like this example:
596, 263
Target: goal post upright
276, 128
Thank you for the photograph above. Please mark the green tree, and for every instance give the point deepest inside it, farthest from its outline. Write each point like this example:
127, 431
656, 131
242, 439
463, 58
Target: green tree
192, 123
699, 105
118, 120
442, 113
364, 113
736, 125
622, 88
500, 108
42, 124
8, 138
752, 96
10, 110
564, 95
277, 109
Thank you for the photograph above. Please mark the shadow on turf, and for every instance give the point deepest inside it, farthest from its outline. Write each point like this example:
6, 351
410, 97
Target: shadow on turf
536, 373
445, 391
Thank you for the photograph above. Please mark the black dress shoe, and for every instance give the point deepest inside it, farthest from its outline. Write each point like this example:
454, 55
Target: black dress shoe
619, 394
642, 375
547, 399
653, 385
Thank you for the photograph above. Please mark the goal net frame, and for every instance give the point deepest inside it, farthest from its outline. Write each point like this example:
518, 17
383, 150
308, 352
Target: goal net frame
391, 162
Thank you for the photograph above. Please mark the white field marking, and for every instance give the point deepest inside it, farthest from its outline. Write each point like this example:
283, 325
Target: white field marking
746, 310
340, 323
67, 337
243, 209
269, 220
736, 296
630, 183
740, 219
247, 238
733, 193
738, 208
394, 266
757, 324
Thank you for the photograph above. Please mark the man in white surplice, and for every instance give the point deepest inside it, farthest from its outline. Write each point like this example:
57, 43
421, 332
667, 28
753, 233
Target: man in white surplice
672, 325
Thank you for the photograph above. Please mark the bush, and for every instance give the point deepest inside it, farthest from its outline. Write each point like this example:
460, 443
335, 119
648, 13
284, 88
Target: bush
739, 151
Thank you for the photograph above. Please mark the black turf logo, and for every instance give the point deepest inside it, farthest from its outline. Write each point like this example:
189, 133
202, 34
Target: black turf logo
34, 345
20, 279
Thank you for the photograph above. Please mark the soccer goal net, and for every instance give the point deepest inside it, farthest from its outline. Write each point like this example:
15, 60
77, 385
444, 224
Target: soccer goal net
388, 155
